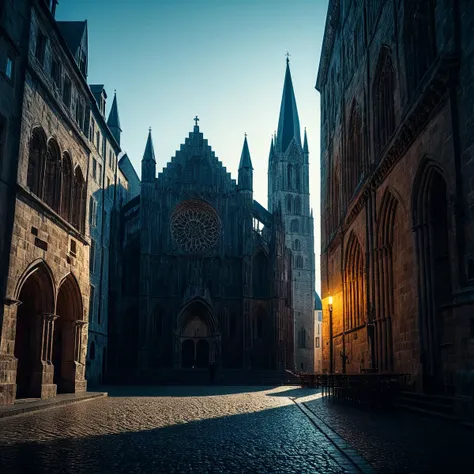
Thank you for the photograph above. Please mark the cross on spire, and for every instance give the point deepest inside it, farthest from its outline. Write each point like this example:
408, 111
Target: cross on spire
287, 57
196, 120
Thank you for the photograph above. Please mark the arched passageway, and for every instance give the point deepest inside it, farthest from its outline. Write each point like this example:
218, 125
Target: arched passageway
31, 339
198, 338
66, 342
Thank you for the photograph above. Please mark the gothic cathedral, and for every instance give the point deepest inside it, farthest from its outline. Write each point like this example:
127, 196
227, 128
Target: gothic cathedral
207, 274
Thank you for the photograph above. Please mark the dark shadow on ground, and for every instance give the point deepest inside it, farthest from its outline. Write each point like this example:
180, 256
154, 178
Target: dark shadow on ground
396, 441
273, 440
177, 390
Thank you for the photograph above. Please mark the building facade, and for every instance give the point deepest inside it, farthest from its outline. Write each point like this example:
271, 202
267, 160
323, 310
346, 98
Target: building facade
288, 187
45, 316
208, 275
396, 167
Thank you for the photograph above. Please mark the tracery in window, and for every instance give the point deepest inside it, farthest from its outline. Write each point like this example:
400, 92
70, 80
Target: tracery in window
195, 226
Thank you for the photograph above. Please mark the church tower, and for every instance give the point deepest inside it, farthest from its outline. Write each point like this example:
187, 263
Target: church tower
288, 186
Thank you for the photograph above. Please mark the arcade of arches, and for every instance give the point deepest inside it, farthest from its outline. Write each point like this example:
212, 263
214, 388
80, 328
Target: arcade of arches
48, 339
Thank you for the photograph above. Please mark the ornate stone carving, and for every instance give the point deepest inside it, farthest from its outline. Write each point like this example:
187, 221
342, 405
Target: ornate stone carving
195, 226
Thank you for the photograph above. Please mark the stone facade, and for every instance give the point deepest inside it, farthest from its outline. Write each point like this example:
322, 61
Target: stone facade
397, 168
46, 307
207, 275
103, 189
288, 187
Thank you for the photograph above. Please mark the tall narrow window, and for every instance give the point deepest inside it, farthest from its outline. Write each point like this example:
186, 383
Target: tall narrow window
66, 187
297, 178
92, 257
298, 205
78, 200
36, 161
290, 177
355, 152
56, 73
40, 47
420, 44
67, 92
384, 114
52, 176
9, 66
94, 169
354, 283
289, 203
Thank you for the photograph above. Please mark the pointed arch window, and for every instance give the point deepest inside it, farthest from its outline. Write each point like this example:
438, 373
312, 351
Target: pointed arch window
354, 284
78, 200
36, 161
420, 42
299, 261
355, 151
289, 203
298, 205
295, 225
290, 177
384, 108
297, 245
66, 187
297, 177
52, 176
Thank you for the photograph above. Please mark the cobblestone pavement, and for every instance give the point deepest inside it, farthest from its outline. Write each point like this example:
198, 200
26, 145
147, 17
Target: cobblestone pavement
228, 429
398, 441
172, 429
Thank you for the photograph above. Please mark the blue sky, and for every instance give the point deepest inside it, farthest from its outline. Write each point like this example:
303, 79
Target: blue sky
223, 60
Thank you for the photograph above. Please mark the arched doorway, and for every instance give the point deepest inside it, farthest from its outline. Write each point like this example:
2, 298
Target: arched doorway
198, 338
65, 346
31, 342
434, 271
187, 353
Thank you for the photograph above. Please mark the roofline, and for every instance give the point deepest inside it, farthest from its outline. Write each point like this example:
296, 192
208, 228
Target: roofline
125, 158
68, 53
332, 18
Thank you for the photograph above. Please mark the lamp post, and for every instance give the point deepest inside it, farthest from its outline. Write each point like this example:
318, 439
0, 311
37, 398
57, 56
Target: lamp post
331, 367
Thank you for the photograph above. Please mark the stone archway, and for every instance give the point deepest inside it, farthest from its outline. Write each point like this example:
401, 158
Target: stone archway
198, 339
67, 335
32, 338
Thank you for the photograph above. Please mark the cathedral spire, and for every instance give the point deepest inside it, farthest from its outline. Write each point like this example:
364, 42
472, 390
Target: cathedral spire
245, 161
245, 168
288, 124
148, 161
305, 144
113, 121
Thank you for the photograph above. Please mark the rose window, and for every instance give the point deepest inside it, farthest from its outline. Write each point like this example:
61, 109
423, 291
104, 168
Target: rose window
195, 226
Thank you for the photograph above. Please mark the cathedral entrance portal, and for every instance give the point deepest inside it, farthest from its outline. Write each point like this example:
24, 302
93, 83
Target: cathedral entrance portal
198, 342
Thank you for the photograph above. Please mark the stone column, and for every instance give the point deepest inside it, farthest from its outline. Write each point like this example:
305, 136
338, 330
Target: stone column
48, 337
45, 374
8, 362
80, 383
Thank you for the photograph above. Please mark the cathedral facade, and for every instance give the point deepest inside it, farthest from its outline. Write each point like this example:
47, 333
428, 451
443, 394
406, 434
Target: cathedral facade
211, 275
397, 188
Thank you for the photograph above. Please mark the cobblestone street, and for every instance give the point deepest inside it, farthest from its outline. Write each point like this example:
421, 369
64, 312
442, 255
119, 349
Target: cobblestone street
224, 429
